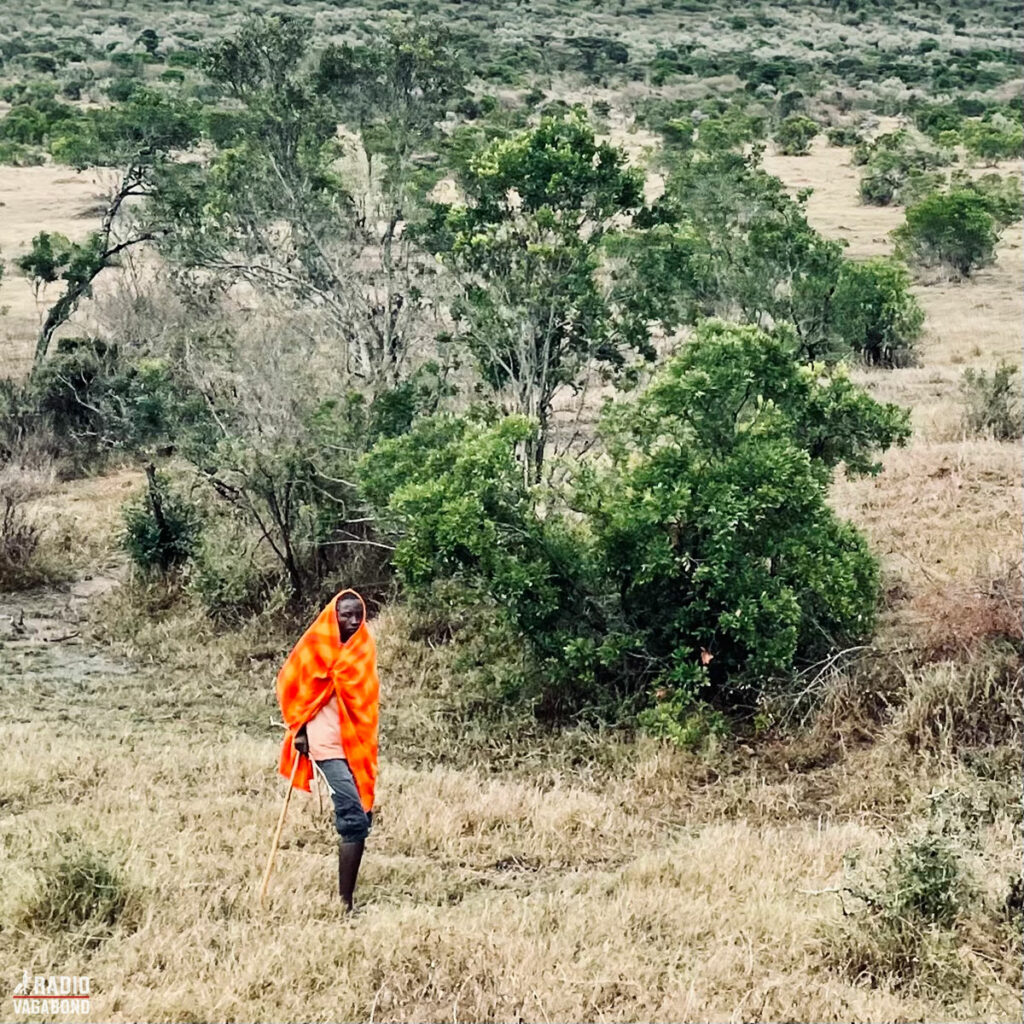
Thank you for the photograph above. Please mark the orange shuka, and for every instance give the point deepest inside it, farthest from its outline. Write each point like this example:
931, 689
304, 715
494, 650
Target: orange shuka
321, 665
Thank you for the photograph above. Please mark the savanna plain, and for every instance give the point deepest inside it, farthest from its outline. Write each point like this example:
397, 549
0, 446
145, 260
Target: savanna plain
842, 845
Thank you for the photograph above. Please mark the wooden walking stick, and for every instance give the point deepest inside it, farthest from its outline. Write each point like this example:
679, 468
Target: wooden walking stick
280, 826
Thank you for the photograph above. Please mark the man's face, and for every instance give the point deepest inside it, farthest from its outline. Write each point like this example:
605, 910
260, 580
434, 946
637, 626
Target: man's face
350, 617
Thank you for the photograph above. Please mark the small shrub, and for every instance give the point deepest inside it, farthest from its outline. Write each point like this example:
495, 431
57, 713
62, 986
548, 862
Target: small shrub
844, 135
795, 134
904, 934
1002, 195
161, 529
993, 405
953, 229
15, 154
230, 586
993, 143
688, 723
23, 559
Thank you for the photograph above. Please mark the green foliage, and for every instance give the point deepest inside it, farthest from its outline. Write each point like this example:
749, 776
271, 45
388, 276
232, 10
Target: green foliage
14, 154
533, 311
993, 405
1002, 195
48, 259
91, 401
36, 120
229, 582
727, 239
690, 724
270, 207
881, 318
905, 933
994, 141
844, 135
951, 229
149, 40
935, 119
701, 558
897, 171
795, 134
160, 528
135, 134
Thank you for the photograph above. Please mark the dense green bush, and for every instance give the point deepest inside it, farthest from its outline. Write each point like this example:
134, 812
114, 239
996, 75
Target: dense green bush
15, 154
844, 135
897, 171
36, 121
951, 229
88, 400
701, 560
160, 528
880, 317
795, 134
1002, 195
994, 141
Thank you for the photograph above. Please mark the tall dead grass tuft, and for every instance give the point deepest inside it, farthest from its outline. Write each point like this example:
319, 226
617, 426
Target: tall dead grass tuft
952, 706
25, 561
963, 616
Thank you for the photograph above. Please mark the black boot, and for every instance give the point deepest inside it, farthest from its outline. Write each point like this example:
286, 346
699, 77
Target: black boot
349, 856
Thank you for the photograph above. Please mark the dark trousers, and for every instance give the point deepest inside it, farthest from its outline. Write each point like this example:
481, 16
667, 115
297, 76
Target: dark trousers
351, 821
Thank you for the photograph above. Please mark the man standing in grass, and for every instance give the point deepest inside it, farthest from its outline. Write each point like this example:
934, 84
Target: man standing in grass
328, 692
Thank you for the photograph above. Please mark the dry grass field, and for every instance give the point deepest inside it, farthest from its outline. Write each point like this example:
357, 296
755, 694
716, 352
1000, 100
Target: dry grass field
580, 878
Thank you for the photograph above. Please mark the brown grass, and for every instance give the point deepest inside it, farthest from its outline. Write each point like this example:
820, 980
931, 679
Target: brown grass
580, 877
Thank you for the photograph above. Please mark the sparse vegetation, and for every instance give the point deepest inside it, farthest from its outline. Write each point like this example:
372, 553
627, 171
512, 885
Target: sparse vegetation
993, 403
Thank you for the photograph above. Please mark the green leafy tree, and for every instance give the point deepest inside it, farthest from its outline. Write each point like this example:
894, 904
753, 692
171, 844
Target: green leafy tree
272, 208
150, 41
795, 134
728, 240
696, 561
137, 140
881, 318
526, 248
951, 229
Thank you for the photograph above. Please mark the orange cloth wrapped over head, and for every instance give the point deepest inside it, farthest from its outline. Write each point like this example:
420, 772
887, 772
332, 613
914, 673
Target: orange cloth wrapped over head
320, 666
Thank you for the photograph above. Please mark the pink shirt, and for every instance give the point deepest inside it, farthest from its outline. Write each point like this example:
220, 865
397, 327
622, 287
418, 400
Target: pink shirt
323, 731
